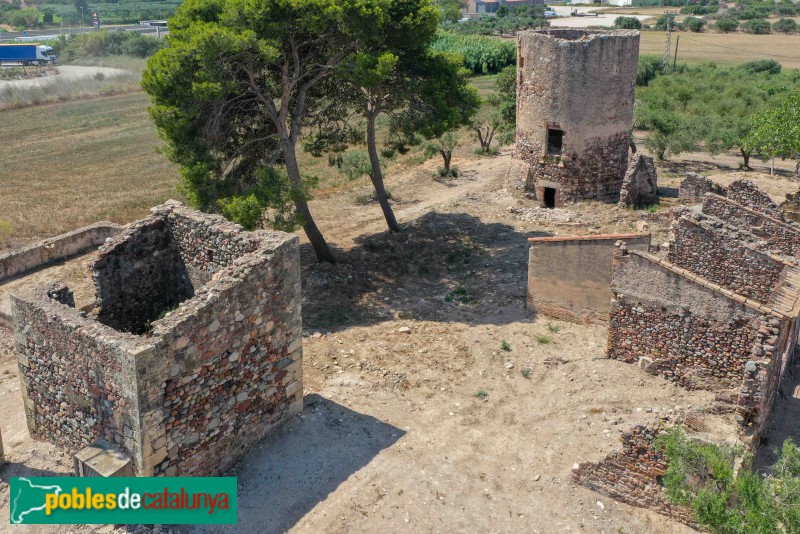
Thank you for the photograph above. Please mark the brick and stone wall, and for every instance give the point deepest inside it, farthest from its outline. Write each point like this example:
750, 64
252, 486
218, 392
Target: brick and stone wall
632, 474
559, 75
725, 255
780, 237
695, 186
194, 388
569, 278
77, 375
681, 327
640, 184
748, 194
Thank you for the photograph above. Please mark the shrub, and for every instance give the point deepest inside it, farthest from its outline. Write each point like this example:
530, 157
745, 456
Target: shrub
785, 26
245, 210
727, 25
762, 65
698, 9
105, 43
628, 23
757, 26
648, 68
355, 164
482, 55
702, 476
693, 24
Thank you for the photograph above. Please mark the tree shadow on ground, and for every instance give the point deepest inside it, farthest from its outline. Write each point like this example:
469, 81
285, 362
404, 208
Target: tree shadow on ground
448, 267
302, 462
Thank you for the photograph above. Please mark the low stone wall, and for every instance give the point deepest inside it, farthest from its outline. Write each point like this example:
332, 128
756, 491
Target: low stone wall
694, 186
632, 474
725, 255
779, 236
569, 278
200, 385
748, 194
56, 248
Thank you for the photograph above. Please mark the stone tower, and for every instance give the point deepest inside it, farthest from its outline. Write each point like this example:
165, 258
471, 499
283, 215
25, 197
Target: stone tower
575, 91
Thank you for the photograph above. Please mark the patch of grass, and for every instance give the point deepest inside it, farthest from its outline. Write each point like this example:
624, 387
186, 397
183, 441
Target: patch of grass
481, 394
459, 294
16, 96
652, 208
444, 173
527, 373
544, 340
553, 328
6, 228
364, 199
493, 151
504, 346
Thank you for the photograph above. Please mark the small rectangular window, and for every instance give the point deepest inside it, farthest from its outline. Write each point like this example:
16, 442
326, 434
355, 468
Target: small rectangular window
555, 139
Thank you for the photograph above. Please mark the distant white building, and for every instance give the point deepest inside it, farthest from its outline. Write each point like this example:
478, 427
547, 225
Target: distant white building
604, 2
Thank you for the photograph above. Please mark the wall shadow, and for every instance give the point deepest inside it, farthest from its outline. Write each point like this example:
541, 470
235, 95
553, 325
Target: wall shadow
448, 267
297, 466
785, 423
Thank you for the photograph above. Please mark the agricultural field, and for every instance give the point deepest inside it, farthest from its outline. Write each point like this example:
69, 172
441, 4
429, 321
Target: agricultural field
70, 164
730, 48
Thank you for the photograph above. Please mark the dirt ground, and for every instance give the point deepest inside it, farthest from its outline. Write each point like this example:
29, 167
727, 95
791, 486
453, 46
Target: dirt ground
416, 420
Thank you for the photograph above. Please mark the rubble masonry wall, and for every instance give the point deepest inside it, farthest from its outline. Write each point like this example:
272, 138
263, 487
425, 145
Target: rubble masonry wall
560, 72
721, 254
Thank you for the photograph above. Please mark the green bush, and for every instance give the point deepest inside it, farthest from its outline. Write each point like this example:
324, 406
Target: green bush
481, 54
24, 19
727, 25
628, 23
693, 24
785, 26
648, 68
762, 65
245, 210
701, 476
697, 9
757, 26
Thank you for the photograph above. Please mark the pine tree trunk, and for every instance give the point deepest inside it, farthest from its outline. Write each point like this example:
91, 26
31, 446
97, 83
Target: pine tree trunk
446, 156
315, 237
746, 158
377, 176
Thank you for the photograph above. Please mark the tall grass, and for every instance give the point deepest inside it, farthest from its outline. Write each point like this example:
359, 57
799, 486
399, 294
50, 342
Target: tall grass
15, 95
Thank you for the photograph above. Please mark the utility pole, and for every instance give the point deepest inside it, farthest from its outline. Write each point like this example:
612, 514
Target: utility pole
675, 61
665, 63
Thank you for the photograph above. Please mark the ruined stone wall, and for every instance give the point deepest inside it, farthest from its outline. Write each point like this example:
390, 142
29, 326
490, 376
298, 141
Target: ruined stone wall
681, 327
227, 368
780, 237
135, 277
569, 278
204, 248
695, 186
197, 388
640, 184
559, 75
56, 248
632, 474
748, 194
722, 255
77, 375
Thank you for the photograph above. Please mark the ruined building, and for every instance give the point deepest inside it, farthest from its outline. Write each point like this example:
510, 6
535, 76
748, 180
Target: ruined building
575, 93
718, 313
192, 354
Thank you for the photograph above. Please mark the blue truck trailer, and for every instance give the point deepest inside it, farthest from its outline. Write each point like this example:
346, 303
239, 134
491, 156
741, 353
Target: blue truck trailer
26, 54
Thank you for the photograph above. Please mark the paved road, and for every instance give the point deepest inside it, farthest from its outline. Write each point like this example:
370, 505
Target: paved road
11, 36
